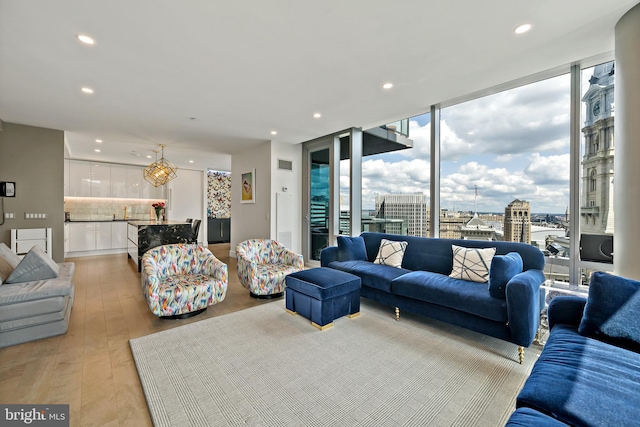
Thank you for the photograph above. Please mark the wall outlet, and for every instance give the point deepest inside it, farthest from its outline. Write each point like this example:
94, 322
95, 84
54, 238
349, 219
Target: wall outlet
35, 215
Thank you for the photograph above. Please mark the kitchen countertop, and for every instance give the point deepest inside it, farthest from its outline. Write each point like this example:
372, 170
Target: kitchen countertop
104, 220
153, 222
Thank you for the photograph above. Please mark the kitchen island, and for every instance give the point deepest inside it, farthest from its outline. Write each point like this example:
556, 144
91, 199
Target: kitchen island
145, 235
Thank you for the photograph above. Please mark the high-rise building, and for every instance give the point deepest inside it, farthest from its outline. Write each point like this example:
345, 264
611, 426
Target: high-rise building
517, 222
413, 209
596, 211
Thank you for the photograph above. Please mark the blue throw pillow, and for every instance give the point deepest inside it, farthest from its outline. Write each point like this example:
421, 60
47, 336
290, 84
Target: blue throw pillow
611, 312
351, 249
503, 268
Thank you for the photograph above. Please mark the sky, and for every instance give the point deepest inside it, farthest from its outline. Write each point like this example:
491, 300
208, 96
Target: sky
511, 145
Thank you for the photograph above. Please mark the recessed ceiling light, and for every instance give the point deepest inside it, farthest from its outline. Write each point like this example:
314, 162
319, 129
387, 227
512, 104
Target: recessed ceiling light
99, 141
190, 161
273, 132
86, 39
387, 85
148, 156
317, 115
87, 90
97, 150
522, 29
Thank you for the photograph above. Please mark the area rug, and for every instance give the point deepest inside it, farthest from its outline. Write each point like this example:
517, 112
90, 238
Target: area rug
264, 367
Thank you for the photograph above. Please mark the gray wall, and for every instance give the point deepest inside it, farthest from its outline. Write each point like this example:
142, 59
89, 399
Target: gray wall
34, 158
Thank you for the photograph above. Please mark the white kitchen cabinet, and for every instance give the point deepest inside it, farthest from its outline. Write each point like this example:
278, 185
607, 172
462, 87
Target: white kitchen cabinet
134, 182
100, 179
119, 235
79, 178
103, 235
118, 181
82, 236
151, 192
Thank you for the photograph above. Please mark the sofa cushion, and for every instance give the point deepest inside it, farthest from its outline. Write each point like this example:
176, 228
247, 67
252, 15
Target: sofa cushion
527, 417
351, 249
5, 270
611, 313
471, 263
390, 253
458, 294
584, 381
36, 265
29, 291
9, 256
503, 268
375, 276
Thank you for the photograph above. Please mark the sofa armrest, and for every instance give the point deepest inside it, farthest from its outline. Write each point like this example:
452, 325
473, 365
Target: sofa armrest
215, 268
149, 277
293, 258
566, 309
328, 255
523, 306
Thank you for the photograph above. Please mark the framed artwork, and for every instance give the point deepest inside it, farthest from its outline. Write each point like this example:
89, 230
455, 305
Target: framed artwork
249, 187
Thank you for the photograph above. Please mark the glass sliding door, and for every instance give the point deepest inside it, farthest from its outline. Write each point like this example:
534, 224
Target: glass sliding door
319, 202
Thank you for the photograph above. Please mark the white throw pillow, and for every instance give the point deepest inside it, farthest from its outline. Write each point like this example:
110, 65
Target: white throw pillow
472, 264
9, 256
390, 253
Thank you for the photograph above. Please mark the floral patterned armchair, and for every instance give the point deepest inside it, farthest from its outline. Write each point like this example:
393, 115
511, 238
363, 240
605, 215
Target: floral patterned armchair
181, 280
263, 265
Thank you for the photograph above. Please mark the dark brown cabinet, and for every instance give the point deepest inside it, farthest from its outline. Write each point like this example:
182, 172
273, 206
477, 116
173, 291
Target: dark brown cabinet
219, 230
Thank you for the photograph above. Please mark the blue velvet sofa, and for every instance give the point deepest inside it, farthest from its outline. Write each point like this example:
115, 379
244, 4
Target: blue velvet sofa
588, 373
508, 307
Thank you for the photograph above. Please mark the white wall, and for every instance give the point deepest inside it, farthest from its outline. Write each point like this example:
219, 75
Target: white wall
292, 180
186, 196
626, 202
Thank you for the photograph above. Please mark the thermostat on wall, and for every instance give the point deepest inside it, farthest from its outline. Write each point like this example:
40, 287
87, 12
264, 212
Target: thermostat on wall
7, 189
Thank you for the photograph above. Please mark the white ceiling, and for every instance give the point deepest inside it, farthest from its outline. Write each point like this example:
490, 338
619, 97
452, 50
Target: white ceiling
242, 69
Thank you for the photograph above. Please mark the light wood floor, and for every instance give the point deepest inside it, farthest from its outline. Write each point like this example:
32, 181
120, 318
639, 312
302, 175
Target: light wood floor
90, 367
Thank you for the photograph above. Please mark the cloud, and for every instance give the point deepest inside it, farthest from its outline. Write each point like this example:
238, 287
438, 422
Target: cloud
384, 177
549, 170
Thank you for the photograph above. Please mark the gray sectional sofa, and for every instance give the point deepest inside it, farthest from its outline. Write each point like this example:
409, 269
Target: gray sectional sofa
33, 309
507, 307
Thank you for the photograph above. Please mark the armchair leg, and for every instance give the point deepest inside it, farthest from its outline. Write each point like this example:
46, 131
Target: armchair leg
397, 314
521, 354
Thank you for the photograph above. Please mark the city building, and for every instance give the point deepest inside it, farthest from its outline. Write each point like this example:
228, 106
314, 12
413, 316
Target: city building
596, 211
517, 222
413, 209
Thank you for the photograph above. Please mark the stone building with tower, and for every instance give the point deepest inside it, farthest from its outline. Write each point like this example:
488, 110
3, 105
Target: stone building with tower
517, 222
596, 210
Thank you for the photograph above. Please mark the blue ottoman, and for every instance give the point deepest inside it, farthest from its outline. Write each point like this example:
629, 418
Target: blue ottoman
323, 295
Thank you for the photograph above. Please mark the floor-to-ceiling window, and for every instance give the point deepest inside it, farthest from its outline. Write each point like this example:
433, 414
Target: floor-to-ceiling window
395, 185
597, 168
504, 171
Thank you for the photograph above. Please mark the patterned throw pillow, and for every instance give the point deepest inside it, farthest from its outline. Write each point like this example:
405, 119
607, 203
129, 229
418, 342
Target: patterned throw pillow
391, 253
472, 263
